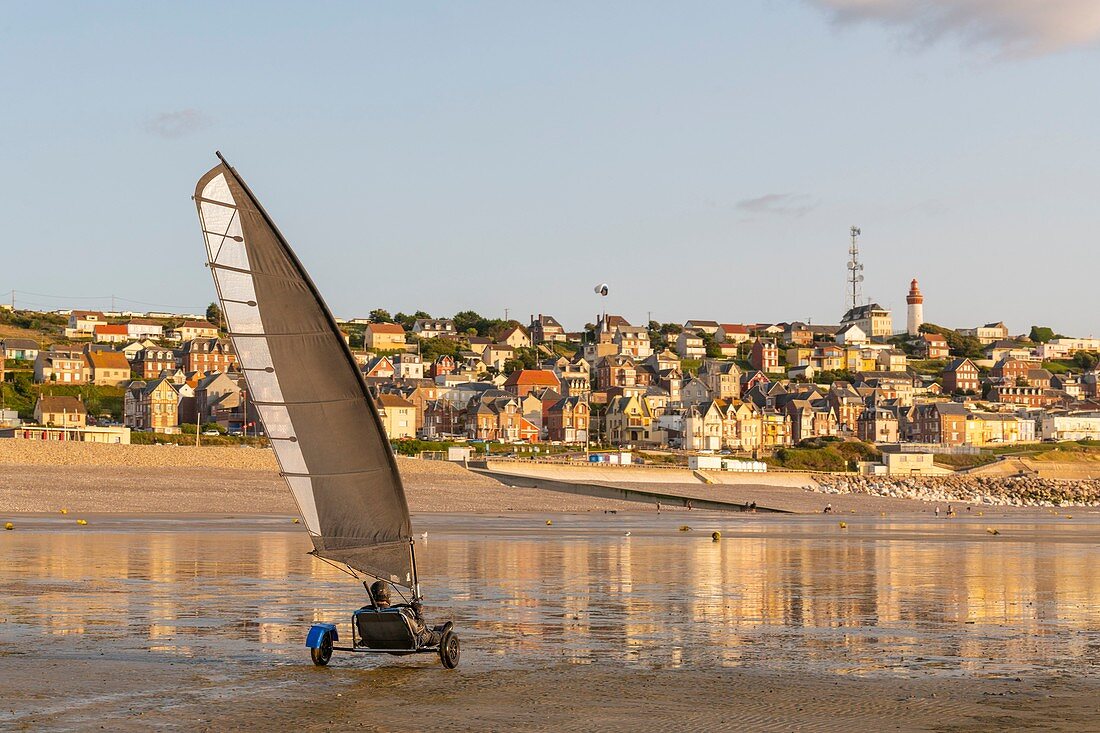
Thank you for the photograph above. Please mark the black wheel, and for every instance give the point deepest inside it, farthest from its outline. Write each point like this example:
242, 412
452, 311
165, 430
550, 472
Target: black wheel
449, 650
320, 655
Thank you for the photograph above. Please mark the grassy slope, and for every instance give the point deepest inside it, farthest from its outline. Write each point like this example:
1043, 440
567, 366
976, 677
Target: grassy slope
818, 455
7, 330
928, 367
1061, 366
45, 328
1069, 452
963, 461
22, 396
1086, 451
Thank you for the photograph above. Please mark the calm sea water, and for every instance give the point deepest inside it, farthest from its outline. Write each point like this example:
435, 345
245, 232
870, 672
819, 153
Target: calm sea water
879, 597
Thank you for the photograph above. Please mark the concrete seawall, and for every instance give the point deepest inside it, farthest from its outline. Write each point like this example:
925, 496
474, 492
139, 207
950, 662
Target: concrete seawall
589, 472
610, 473
697, 496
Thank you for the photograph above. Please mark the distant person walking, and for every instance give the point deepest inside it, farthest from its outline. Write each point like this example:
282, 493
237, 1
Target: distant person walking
828, 509
937, 510
658, 507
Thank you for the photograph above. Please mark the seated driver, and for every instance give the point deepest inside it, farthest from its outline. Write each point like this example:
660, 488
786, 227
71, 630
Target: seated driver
380, 594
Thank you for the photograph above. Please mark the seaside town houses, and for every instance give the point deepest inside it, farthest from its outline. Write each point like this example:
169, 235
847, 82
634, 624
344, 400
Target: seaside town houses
61, 365
987, 334
384, 336
703, 385
545, 329
190, 330
872, 319
63, 411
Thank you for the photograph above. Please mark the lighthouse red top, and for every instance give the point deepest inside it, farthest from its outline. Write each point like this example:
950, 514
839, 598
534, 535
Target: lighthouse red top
914, 296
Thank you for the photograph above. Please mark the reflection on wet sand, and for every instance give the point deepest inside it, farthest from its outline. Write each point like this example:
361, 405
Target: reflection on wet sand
882, 597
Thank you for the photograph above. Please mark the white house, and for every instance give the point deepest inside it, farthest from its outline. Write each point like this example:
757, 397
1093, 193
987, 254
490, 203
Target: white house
142, 328
1060, 348
851, 335
689, 345
407, 366
1085, 425
427, 328
83, 323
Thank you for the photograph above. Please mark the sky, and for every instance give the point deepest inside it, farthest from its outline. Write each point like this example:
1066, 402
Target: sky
705, 159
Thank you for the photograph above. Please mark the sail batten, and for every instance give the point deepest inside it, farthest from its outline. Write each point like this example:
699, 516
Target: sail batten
274, 335
214, 265
306, 386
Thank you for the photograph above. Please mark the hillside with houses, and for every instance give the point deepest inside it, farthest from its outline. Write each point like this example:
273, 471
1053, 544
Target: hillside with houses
707, 386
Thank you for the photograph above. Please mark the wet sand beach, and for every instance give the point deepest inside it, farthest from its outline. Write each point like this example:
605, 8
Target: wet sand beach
196, 623
183, 604
151, 695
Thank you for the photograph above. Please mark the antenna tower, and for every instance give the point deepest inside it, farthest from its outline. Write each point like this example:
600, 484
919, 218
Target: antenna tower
855, 272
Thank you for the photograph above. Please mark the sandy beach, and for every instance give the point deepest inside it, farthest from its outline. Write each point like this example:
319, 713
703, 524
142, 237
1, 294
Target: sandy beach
47, 476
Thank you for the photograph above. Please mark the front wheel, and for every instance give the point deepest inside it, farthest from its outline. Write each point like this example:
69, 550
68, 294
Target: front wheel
321, 654
449, 650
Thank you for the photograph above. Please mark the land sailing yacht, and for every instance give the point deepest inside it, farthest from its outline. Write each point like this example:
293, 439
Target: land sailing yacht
320, 419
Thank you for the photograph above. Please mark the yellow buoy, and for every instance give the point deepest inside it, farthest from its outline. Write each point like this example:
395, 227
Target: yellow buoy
993, 531
9, 525
715, 536
685, 528
82, 522
1069, 516
844, 525
64, 511
296, 520
549, 522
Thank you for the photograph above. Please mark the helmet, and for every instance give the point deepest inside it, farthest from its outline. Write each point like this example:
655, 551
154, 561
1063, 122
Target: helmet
380, 591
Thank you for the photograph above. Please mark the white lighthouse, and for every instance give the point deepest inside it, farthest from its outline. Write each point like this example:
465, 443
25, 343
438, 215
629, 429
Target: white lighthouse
916, 309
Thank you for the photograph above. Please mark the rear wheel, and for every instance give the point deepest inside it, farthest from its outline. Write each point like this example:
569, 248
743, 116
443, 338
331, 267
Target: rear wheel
449, 650
322, 653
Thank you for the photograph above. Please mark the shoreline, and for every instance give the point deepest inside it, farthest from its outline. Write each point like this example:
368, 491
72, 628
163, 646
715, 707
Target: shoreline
45, 477
432, 488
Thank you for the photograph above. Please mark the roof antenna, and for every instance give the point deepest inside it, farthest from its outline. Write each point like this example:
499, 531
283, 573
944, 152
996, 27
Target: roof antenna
855, 271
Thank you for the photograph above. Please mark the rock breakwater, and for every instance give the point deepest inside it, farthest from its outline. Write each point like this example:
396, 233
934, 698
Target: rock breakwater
1010, 491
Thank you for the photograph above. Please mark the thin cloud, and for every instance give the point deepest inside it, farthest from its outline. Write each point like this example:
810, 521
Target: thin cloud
1012, 27
778, 204
176, 124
